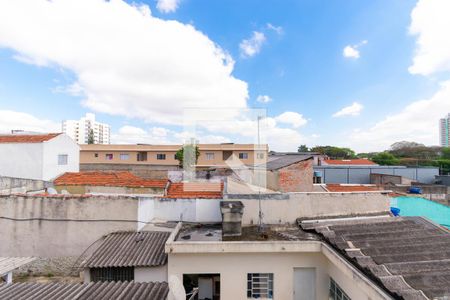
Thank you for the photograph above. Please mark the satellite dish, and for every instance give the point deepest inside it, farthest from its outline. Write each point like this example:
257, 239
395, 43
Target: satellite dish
176, 288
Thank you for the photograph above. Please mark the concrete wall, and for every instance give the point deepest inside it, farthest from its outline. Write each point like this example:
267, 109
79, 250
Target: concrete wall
62, 144
20, 185
61, 226
286, 208
21, 160
295, 178
361, 175
443, 179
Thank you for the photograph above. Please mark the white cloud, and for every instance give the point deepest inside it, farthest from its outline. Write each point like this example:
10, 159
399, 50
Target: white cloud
263, 98
430, 21
125, 61
352, 51
352, 110
416, 122
277, 29
14, 120
167, 6
252, 46
291, 118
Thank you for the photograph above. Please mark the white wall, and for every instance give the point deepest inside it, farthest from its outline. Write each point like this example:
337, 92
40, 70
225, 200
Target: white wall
21, 160
62, 144
148, 274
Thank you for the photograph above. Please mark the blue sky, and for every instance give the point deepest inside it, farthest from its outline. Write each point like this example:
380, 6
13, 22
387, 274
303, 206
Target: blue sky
296, 59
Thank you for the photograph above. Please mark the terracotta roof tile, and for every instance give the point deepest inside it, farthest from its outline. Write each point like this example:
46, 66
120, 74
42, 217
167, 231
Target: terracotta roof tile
211, 190
119, 178
27, 138
350, 162
351, 188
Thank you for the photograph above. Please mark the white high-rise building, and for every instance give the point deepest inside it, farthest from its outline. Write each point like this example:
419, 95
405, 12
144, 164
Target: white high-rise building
79, 130
444, 131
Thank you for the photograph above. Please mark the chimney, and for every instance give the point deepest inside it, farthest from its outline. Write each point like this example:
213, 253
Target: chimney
231, 217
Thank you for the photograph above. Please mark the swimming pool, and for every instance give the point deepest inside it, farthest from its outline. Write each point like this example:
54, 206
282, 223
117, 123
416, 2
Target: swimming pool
416, 206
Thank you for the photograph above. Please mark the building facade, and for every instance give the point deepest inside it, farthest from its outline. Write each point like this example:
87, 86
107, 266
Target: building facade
444, 131
38, 156
79, 130
211, 155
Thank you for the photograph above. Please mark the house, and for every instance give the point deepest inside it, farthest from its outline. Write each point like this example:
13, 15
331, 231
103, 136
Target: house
162, 157
38, 156
290, 173
86, 291
112, 182
128, 256
367, 257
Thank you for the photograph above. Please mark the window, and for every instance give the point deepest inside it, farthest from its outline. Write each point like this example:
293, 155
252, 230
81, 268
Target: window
260, 285
336, 293
124, 156
95, 154
109, 156
160, 156
62, 159
260, 155
209, 156
243, 155
112, 274
142, 156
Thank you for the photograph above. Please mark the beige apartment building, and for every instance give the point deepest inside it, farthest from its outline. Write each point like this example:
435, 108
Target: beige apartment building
211, 155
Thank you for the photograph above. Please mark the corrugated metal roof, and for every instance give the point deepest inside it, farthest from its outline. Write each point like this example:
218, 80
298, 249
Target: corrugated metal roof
27, 138
8, 264
130, 249
280, 161
91, 291
409, 256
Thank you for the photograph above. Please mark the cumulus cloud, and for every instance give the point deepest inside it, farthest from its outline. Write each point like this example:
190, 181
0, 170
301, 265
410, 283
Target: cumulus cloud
263, 98
277, 29
291, 118
125, 61
430, 22
351, 51
252, 46
14, 120
167, 6
351, 110
416, 122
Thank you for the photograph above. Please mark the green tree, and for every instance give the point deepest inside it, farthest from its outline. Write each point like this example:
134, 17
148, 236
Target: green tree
445, 154
335, 152
385, 159
91, 137
190, 152
303, 148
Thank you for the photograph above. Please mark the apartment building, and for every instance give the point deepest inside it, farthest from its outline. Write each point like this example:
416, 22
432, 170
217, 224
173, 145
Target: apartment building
79, 130
211, 155
444, 131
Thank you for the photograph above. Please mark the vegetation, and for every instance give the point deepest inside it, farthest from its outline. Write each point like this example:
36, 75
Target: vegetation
335, 152
91, 137
191, 151
385, 159
303, 148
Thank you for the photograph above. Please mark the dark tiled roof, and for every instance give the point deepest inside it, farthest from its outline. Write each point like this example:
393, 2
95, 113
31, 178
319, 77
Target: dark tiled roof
276, 162
130, 249
27, 138
86, 291
211, 190
108, 178
408, 256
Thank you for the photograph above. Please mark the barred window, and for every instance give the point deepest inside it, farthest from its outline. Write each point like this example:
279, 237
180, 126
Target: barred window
260, 285
336, 293
160, 156
112, 274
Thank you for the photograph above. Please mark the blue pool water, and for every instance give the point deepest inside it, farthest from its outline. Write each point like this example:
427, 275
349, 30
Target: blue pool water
416, 206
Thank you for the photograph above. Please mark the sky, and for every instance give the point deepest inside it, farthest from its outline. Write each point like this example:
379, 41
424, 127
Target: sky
359, 74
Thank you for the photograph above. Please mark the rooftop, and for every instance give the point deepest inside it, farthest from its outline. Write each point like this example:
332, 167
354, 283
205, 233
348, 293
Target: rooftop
129, 249
211, 190
350, 162
408, 256
27, 138
351, 188
97, 290
276, 162
8, 264
113, 178
148, 147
